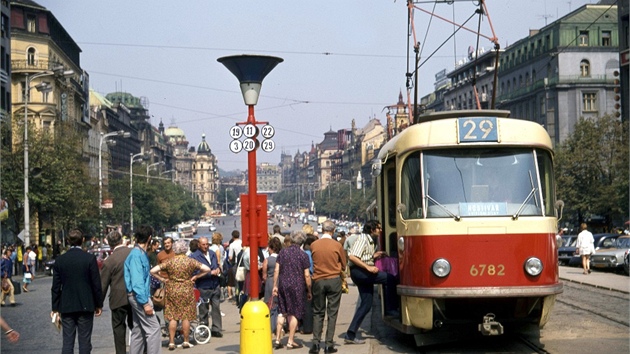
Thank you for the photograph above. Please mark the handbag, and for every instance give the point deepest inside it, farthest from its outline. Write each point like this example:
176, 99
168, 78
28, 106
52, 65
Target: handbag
388, 265
159, 297
28, 275
240, 270
6, 285
240, 274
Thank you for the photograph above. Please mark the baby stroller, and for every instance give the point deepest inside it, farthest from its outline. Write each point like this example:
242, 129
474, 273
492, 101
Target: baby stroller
199, 332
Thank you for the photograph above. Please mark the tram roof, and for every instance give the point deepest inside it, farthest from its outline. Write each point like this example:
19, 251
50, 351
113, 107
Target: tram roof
439, 130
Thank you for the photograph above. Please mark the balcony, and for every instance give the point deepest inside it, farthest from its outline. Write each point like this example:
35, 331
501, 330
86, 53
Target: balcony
24, 66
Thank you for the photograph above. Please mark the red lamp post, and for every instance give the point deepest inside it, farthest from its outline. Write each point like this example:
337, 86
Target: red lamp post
250, 70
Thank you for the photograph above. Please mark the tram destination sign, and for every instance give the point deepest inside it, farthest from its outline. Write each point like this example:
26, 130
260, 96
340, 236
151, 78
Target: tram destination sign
477, 129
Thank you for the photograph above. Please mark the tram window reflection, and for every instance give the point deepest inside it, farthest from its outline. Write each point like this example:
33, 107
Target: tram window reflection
483, 181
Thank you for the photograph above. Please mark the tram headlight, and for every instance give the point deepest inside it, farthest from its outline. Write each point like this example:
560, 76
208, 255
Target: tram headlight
533, 266
441, 268
401, 244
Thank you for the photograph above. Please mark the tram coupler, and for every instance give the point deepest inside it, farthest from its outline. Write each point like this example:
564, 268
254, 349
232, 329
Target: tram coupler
490, 327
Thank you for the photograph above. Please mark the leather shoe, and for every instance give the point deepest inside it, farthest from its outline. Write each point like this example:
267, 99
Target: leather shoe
216, 334
314, 349
355, 340
330, 349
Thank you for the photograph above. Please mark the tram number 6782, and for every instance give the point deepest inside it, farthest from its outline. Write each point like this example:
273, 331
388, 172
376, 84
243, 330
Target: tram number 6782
478, 270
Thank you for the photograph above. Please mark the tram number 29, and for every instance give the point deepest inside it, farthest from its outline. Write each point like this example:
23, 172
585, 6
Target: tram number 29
479, 270
477, 129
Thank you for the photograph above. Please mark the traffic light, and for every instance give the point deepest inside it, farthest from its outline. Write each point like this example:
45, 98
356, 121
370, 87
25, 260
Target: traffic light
617, 93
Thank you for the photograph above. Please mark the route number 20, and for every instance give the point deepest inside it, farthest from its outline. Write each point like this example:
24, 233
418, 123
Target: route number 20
479, 270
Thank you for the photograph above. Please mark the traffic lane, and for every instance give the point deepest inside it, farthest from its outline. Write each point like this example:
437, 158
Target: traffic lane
31, 318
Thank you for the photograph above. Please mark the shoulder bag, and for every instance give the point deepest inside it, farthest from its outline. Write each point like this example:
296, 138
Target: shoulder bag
159, 297
240, 270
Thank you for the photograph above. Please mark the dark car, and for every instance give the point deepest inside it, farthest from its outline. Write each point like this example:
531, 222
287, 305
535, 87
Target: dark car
566, 250
601, 241
100, 253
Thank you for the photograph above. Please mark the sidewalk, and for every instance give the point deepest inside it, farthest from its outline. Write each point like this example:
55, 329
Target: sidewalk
230, 342
599, 279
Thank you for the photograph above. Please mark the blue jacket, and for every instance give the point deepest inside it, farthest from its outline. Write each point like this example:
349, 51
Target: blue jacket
208, 281
7, 268
137, 277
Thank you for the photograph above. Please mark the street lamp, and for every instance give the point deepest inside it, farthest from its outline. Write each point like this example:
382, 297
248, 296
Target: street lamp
131, 161
173, 176
151, 165
250, 70
43, 87
124, 134
226, 202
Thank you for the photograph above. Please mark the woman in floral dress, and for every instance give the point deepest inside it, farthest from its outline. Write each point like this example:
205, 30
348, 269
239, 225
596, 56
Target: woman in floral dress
180, 297
291, 280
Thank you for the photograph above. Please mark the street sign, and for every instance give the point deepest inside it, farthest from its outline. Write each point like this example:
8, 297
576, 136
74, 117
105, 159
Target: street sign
267, 131
236, 146
236, 132
249, 144
250, 130
268, 145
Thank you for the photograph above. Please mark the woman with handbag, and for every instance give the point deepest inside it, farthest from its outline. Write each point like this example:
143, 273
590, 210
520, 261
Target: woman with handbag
180, 297
28, 268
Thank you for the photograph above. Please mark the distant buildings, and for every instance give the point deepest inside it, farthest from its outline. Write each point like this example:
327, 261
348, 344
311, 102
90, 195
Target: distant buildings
566, 70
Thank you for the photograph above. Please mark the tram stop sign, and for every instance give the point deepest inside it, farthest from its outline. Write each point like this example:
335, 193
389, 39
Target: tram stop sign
261, 209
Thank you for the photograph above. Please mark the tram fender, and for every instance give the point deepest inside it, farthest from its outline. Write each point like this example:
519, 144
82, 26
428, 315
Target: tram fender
417, 312
548, 304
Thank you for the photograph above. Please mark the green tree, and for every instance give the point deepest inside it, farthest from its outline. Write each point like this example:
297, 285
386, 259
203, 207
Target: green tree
591, 169
60, 193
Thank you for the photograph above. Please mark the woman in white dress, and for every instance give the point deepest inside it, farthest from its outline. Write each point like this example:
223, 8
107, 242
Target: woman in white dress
585, 247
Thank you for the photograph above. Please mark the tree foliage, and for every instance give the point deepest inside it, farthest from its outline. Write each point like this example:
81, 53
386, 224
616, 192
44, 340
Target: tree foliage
591, 168
60, 192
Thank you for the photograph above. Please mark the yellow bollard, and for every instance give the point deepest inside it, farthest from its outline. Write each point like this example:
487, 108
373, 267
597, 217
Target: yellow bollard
255, 328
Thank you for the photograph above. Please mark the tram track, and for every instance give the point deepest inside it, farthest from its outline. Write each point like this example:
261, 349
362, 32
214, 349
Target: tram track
606, 304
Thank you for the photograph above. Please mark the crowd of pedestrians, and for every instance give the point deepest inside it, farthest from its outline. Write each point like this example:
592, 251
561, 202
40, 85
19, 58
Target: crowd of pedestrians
303, 279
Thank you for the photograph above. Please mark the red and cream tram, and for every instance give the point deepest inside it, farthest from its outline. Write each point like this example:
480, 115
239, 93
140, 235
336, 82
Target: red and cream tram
467, 204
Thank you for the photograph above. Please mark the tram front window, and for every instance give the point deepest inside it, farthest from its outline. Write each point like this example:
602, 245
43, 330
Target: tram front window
479, 182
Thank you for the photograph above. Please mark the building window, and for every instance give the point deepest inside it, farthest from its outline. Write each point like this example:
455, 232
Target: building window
30, 23
30, 56
583, 39
585, 68
606, 39
589, 101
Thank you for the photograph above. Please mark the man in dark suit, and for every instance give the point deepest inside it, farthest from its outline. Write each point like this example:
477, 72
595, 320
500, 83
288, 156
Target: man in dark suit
77, 295
113, 275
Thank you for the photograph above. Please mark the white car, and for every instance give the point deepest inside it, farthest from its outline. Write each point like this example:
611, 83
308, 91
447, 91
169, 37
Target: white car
203, 224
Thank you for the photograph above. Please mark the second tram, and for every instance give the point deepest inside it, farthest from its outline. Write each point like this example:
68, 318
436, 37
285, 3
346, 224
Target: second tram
467, 204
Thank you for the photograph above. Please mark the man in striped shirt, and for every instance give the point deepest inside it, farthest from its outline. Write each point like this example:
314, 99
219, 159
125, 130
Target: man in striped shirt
365, 275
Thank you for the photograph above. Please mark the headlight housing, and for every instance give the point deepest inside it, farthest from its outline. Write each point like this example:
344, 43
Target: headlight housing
401, 244
533, 266
441, 268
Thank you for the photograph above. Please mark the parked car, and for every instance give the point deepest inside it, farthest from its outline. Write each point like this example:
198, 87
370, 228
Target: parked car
612, 258
566, 250
601, 241
626, 263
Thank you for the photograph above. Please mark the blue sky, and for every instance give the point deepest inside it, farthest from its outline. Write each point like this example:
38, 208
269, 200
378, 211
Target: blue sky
343, 60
